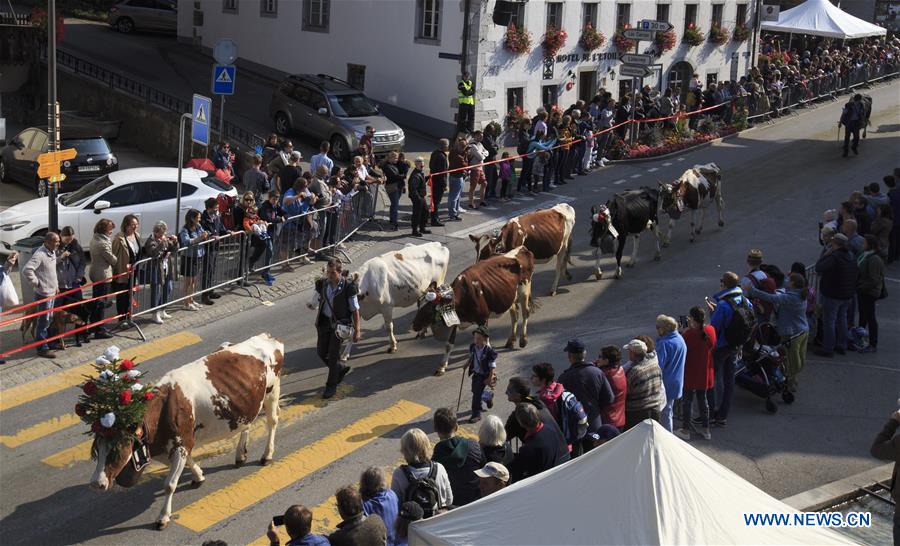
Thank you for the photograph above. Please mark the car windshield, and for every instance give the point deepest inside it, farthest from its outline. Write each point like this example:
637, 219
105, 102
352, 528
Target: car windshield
352, 106
86, 192
216, 184
87, 146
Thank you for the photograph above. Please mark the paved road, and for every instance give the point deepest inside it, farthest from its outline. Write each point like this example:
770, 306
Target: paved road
180, 70
778, 179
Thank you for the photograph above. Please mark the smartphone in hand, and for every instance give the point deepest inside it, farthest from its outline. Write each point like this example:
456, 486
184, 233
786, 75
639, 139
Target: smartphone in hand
278, 521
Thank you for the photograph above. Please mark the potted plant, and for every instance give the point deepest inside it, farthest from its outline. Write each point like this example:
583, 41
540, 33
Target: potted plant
718, 35
514, 117
693, 36
665, 41
517, 41
622, 43
553, 41
741, 33
591, 38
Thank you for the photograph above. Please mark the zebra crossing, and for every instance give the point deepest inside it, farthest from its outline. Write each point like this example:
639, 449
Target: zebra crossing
54, 451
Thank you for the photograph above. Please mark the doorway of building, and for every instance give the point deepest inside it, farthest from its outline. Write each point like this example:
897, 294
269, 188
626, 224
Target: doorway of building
587, 85
680, 76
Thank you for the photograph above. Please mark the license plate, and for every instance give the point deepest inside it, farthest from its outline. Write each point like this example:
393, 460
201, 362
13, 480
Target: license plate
450, 317
89, 168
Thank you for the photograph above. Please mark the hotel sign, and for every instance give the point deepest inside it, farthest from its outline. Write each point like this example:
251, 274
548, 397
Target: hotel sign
588, 57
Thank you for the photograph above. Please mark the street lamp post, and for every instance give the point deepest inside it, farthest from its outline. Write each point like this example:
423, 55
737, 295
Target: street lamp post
52, 110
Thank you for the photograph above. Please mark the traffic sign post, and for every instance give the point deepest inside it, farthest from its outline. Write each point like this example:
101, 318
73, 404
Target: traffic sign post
638, 35
200, 112
635, 71
223, 84
48, 164
637, 59
658, 26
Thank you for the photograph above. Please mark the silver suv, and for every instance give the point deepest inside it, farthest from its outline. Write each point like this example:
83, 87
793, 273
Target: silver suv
329, 108
130, 15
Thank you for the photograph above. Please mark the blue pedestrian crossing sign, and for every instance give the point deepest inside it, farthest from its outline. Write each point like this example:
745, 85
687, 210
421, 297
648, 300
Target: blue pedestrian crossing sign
223, 79
200, 112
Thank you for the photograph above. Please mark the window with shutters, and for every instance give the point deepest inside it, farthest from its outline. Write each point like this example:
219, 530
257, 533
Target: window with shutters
268, 8
589, 14
554, 15
229, 6
623, 15
662, 12
717, 10
428, 20
515, 97
690, 15
741, 17
517, 17
316, 14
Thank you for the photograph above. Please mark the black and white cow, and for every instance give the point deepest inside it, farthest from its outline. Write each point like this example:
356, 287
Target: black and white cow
695, 190
627, 213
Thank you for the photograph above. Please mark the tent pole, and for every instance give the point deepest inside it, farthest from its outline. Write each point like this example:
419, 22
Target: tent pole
790, 39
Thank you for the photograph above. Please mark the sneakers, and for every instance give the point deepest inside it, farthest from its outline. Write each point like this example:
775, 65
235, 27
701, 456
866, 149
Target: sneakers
552, 186
474, 419
706, 434
158, 318
720, 422
425, 231
684, 434
192, 307
165, 315
46, 353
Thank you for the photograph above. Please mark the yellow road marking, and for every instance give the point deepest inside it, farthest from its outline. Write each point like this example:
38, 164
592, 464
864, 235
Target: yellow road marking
82, 451
40, 430
270, 479
33, 390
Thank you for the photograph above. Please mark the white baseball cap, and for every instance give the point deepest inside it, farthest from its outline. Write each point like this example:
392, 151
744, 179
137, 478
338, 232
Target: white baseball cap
493, 470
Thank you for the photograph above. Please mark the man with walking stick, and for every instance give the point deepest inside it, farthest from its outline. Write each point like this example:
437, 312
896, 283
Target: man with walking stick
481, 366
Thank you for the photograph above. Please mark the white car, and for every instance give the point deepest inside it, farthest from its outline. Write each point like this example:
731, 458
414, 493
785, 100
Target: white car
148, 192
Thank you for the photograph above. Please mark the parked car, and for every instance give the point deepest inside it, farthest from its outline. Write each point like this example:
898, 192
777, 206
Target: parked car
130, 15
329, 108
19, 159
148, 192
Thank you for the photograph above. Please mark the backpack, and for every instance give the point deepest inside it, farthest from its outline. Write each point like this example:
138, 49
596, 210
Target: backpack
739, 328
226, 210
572, 417
423, 491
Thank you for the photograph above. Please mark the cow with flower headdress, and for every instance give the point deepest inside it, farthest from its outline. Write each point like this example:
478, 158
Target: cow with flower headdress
207, 400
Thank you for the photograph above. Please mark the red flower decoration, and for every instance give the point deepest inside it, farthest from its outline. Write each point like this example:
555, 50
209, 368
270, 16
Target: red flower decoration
126, 365
89, 388
149, 396
79, 410
124, 398
96, 427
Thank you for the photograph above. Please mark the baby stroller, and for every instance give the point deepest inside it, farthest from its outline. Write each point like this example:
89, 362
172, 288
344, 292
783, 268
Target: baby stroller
761, 368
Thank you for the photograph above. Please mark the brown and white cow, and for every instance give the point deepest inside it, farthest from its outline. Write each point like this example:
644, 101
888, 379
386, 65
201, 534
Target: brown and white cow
697, 188
490, 288
546, 233
209, 399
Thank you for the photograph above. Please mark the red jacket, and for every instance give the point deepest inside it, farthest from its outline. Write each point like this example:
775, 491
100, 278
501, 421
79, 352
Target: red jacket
614, 414
698, 367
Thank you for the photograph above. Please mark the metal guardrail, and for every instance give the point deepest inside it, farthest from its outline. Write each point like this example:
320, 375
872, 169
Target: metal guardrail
17, 19
151, 95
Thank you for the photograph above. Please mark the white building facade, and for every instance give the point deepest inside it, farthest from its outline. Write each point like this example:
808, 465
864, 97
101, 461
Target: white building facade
408, 54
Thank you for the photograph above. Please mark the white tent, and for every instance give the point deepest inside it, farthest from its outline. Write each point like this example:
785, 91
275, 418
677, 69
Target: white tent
645, 487
822, 18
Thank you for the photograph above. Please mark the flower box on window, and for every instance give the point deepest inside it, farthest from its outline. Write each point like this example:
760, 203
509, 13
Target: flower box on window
693, 36
718, 35
517, 41
591, 38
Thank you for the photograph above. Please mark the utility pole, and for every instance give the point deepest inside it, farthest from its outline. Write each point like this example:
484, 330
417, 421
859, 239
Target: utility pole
756, 21
52, 111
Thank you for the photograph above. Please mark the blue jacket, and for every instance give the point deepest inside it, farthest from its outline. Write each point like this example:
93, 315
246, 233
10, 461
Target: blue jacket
790, 311
671, 351
721, 317
534, 146
309, 540
385, 504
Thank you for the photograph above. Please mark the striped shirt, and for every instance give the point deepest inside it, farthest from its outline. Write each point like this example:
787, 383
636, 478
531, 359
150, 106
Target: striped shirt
644, 386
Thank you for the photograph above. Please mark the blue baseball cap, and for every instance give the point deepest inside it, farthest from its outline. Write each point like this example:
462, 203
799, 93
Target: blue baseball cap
575, 346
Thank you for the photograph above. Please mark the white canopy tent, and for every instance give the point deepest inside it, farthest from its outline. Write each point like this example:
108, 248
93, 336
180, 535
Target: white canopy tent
822, 18
645, 487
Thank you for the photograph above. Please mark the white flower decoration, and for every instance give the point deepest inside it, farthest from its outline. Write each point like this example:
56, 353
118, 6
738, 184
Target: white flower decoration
102, 361
106, 375
137, 387
133, 374
111, 353
108, 420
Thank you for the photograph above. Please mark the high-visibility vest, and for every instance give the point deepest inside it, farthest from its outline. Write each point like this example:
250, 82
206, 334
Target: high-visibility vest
466, 99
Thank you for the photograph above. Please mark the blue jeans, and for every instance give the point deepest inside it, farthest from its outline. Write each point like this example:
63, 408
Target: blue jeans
394, 196
456, 188
477, 390
834, 320
665, 416
41, 328
159, 288
724, 361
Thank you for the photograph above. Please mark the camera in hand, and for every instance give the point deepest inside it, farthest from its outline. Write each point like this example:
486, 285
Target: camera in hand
683, 321
278, 521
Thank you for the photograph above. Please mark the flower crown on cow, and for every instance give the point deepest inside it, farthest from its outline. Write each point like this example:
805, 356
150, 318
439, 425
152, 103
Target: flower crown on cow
113, 403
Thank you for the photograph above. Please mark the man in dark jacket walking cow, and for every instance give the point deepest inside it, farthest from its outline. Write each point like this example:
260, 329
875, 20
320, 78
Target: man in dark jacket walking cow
837, 285
418, 191
439, 162
589, 385
461, 457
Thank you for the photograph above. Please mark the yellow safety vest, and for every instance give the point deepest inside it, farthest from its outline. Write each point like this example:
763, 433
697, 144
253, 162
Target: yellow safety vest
466, 99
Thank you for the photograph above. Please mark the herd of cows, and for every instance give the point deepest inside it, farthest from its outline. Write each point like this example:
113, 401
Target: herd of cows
221, 394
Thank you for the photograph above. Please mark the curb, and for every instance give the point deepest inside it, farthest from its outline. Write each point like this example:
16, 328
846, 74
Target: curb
838, 491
